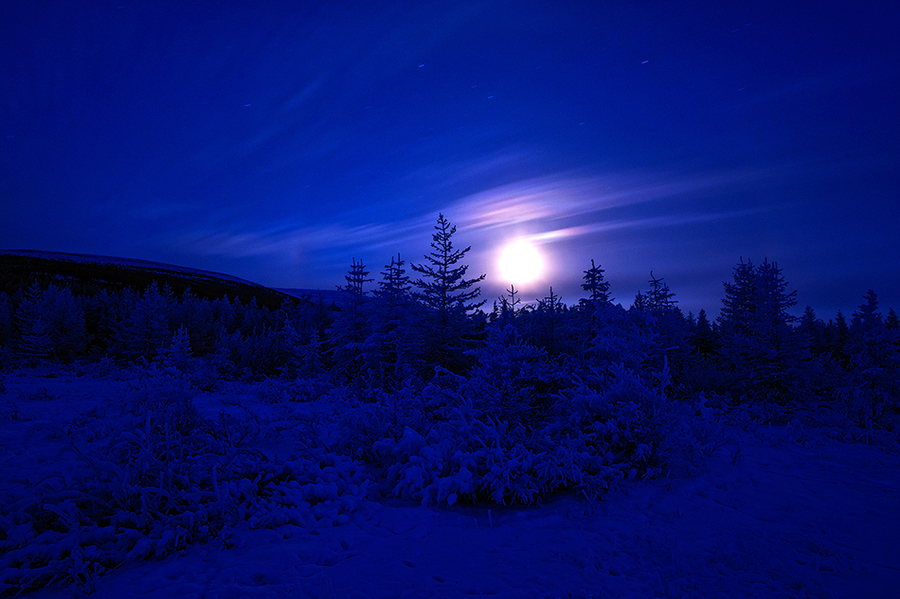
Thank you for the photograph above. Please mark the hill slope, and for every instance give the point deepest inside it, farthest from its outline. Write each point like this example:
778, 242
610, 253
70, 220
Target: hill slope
88, 274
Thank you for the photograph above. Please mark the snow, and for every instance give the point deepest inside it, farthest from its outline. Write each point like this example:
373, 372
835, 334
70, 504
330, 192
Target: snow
776, 512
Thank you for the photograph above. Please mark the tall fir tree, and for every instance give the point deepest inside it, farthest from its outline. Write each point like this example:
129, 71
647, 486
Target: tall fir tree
892, 321
703, 335
759, 346
660, 299
394, 347
351, 326
595, 285
548, 329
874, 362
598, 300
449, 296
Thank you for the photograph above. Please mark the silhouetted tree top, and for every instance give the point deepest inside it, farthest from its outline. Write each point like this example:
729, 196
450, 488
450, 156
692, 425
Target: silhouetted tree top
443, 286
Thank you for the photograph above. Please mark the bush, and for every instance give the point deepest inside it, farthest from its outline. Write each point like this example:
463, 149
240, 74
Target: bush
630, 429
164, 478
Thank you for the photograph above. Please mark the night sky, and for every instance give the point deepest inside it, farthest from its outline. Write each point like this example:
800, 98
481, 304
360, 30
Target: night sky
276, 141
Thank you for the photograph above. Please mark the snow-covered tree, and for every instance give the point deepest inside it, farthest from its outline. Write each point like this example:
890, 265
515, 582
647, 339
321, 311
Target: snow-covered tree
146, 327
892, 321
6, 318
35, 341
874, 360
177, 354
66, 321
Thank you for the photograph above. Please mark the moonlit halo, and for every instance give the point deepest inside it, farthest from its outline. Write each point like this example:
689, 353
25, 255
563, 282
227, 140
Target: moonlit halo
520, 262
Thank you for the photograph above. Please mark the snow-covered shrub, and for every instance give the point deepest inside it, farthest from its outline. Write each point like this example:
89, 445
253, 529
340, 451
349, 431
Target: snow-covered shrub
273, 390
463, 458
469, 457
361, 426
635, 426
513, 380
161, 477
475, 441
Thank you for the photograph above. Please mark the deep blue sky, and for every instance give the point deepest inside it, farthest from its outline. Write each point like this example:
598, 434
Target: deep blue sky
275, 141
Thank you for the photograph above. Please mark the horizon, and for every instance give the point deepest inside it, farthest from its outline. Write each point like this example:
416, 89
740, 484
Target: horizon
712, 314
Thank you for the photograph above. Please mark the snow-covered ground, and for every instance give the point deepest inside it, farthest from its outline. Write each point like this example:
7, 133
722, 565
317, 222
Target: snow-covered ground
777, 512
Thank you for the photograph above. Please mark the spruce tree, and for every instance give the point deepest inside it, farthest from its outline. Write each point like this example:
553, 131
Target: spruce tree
598, 300
6, 318
146, 327
504, 314
351, 326
838, 333
758, 344
35, 342
548, 316
892, 321
448, 295
874, 361
394, 345
659, 299
704, 339
597, 288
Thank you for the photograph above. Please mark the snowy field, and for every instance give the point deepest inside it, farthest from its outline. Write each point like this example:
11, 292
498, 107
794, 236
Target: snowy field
775, 512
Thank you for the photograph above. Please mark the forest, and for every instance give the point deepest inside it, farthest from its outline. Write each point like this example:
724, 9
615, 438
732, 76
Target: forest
437, 396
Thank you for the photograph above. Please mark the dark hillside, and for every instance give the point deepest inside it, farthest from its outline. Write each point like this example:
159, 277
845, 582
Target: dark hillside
89, 274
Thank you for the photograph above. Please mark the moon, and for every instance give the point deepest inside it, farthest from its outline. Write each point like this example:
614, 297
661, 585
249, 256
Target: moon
520, 262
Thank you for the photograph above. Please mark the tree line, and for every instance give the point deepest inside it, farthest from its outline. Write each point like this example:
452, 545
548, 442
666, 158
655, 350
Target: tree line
429, 320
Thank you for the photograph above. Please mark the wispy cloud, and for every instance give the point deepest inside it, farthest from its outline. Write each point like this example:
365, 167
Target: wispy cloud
291, 239
542, 209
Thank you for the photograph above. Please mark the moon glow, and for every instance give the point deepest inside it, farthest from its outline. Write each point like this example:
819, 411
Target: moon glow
520, 262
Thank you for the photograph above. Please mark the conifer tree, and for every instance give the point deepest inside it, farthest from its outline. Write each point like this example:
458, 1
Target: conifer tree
874, 360
759, 346
65, 318
505, 314
351, 326
35, 342
892, 321
513, 301
444, 287
704, 339
394, 345
146, 329
659, 299
177, 354
739, 304
595, 285
311, 362
598, 299
641, 303
448, 295
838, 333
356, 278
6, 318
812, 331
